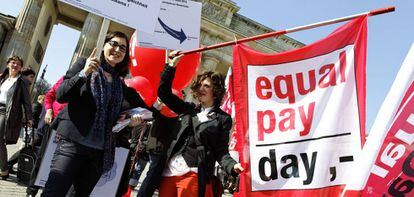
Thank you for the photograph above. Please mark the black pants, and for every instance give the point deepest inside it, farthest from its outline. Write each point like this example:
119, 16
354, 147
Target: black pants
74, 164
154, 174
3, 149
32, 188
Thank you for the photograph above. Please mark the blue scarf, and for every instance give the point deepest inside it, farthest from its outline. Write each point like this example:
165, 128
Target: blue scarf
108, 106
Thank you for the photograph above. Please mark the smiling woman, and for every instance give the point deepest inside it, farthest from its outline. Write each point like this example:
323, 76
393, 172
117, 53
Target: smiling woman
14, 96
202, 139
95, 92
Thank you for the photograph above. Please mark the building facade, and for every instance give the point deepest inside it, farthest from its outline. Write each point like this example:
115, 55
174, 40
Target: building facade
29, 33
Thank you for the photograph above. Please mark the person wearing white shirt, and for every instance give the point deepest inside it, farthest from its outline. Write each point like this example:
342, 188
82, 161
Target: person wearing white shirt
14, 95
202, 138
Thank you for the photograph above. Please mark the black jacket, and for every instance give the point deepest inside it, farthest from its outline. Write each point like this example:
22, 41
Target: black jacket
36, 110
14, 111
164, 130
213, 134
76, 120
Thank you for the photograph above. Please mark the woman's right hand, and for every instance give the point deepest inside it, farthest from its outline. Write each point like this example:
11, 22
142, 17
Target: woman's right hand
92, 63
173, 58
49, 116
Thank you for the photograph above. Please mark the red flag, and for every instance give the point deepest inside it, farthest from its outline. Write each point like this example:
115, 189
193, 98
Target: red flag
228, 99
300, 115
384, 146
228, 107
393, 172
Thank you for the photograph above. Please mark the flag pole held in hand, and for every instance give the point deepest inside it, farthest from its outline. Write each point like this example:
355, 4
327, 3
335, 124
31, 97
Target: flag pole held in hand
291, 30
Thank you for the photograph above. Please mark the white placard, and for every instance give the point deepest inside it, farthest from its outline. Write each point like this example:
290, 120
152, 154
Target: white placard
107, 184
137, 14
44, 169
289, 134
178, 26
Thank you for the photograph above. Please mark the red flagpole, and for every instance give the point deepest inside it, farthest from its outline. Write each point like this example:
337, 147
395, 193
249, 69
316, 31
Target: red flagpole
295, 29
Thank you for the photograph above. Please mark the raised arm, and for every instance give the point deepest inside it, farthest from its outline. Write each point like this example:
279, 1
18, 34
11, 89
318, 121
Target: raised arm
164, 88
133, 98
73, 81
75, 77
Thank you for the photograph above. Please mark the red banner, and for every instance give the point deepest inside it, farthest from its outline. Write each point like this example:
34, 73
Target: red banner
300, 115
393, 171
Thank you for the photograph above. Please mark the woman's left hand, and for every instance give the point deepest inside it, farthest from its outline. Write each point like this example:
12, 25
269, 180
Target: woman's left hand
136, 119
238, 168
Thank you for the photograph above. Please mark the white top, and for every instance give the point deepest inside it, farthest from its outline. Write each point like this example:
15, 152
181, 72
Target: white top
177, 165
5, 87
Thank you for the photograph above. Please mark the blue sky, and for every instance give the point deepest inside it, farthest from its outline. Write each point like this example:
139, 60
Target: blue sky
389, 35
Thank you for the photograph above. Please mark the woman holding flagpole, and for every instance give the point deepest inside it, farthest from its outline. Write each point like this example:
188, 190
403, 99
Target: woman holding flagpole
202, 139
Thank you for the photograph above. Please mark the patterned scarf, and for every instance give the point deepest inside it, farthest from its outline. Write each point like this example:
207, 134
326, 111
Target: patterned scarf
108, 106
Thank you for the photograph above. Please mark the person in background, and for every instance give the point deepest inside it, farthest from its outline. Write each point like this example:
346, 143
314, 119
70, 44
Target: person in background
29, 74
36, 109
14, 96
53, 107
164, 131
94, 91
140, 158
202, 138
137, 158
50, 110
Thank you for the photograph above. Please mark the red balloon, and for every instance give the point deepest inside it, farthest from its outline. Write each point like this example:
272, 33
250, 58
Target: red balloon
149, 63
186, 69
167, 111
143, 87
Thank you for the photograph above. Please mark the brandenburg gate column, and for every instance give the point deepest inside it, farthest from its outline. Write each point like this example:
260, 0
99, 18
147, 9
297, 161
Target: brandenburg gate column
208, 62
88, 37
24, 30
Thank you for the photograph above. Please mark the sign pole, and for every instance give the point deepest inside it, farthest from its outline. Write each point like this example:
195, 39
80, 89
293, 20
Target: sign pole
295, 29
101, 36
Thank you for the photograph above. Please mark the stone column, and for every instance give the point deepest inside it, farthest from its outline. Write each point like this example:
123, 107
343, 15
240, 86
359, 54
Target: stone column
209, 63
24, 29
88, 37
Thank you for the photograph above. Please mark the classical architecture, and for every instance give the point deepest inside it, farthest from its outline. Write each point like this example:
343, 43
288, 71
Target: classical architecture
29, 33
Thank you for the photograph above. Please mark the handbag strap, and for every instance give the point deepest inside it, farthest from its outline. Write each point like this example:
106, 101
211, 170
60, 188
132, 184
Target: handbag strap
26, 136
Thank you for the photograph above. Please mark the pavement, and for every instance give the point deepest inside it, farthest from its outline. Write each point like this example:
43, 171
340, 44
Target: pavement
10, 187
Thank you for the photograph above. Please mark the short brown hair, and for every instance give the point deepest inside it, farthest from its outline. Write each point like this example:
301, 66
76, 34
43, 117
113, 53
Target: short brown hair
217, 80
15, 58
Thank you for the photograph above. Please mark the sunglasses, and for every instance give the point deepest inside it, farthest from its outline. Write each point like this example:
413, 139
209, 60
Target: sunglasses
115, 44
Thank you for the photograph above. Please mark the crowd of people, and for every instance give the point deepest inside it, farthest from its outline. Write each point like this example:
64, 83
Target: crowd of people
84, 105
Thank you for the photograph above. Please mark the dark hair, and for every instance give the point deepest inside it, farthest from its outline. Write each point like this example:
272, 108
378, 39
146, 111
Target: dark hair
15, 58
217, 80
6, 70
26, 71
122, 67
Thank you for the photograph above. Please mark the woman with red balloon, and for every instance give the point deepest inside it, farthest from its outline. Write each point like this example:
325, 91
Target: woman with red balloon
147, 65
202, 137
95, 93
